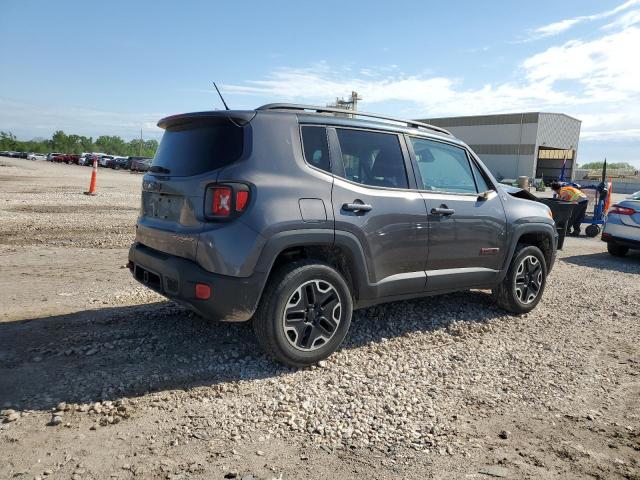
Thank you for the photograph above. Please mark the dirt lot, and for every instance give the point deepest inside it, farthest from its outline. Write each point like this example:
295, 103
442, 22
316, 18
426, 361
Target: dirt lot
101, 378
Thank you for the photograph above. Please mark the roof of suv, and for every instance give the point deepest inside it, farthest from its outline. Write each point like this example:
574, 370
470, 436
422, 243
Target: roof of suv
351, 114
338, 115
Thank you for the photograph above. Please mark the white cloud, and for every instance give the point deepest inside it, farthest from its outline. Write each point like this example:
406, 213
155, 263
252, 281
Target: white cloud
597, 81
603, 135
624, 21
605, 66
556, 28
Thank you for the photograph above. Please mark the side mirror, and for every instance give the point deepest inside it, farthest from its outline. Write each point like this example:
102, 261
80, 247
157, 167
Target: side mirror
485, 195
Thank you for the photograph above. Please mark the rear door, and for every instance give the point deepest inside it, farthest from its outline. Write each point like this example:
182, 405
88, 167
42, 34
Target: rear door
467, 223
373, 199
189, 157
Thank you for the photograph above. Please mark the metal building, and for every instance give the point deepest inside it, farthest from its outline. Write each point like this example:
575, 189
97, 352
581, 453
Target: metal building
517, 144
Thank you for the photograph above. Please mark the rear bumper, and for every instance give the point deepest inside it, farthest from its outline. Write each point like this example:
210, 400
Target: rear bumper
623, 242
617, 229
233, 299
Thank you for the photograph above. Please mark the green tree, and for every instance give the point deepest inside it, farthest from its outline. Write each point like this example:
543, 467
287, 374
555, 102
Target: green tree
87, 144
7, 141
598, 166
59, 141
111, 144
72, 143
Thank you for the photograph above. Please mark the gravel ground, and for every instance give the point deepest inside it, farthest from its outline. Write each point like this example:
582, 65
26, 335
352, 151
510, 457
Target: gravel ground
101, 378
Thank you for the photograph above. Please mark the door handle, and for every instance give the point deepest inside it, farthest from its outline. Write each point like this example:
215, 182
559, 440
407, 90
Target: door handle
443, 211
357, 207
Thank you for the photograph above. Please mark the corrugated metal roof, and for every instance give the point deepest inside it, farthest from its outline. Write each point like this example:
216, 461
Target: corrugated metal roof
498, 119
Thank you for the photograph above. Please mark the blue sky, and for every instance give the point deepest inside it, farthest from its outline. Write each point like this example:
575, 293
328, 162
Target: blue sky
114, 67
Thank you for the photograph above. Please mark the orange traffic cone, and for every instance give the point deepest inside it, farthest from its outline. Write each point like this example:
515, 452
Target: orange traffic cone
94, 175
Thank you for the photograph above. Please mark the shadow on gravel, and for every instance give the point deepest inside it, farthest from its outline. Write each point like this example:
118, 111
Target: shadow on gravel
120, 352
627, 264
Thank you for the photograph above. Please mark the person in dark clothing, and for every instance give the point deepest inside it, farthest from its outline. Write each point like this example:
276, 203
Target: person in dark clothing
572, 194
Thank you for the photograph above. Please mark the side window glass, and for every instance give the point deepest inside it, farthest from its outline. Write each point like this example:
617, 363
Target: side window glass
480, 181
316, 147
443, 168
372, 158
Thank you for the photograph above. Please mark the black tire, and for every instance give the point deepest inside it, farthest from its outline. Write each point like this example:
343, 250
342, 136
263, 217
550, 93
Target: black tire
508, 295
616, 250
592, 231
287, 346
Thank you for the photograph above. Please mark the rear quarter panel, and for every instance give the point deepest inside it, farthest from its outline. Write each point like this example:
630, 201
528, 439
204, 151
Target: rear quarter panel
278, 178
625, 226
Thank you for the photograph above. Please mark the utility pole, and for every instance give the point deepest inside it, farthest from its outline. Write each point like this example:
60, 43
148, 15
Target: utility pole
354, 101
351, 104
140, 153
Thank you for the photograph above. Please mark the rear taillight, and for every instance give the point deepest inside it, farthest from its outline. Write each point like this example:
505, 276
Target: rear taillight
226, 200
620, 210
242, 197
221, 206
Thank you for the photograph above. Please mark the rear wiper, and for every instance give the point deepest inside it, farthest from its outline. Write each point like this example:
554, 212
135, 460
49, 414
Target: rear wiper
159, 169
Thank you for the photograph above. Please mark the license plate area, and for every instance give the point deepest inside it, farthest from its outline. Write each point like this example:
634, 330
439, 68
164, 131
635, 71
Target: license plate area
162, 206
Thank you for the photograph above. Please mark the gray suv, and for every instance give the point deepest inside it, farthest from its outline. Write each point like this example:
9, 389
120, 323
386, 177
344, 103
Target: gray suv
292, 216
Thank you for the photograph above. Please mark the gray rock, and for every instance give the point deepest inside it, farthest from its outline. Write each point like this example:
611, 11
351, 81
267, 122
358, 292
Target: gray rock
56, 420
11, 417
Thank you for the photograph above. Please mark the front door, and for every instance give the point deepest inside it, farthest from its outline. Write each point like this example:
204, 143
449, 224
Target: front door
373, 200
467, 224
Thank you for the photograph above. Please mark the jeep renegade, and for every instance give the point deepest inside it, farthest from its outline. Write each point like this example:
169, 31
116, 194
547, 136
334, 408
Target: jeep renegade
292, 216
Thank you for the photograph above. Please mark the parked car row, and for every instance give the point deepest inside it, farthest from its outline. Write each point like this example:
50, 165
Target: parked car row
135, 163
63, 158
7, 153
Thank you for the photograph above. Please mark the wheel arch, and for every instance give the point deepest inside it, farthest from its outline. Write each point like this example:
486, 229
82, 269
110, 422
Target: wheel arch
540, 235
341, 250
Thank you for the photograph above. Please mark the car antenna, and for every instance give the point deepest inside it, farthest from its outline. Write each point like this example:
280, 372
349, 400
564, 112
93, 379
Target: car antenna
221, 97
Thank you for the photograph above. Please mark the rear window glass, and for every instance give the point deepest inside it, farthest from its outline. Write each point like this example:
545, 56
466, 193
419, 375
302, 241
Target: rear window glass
316, 148
198, 147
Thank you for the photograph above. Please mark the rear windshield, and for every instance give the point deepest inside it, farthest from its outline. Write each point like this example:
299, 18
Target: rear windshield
196, 148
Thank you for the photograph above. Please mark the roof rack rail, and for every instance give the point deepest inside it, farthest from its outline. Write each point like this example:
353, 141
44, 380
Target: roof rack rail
299, 107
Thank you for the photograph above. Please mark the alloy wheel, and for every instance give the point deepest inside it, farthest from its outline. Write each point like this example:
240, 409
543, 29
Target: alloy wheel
528, 281
312, 315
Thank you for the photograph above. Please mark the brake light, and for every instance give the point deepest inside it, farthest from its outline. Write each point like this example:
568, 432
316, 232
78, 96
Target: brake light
242, 197
226, 201
620, 210
221, 201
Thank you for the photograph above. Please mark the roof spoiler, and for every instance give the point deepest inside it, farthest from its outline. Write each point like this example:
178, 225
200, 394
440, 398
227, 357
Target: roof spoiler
237, 117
